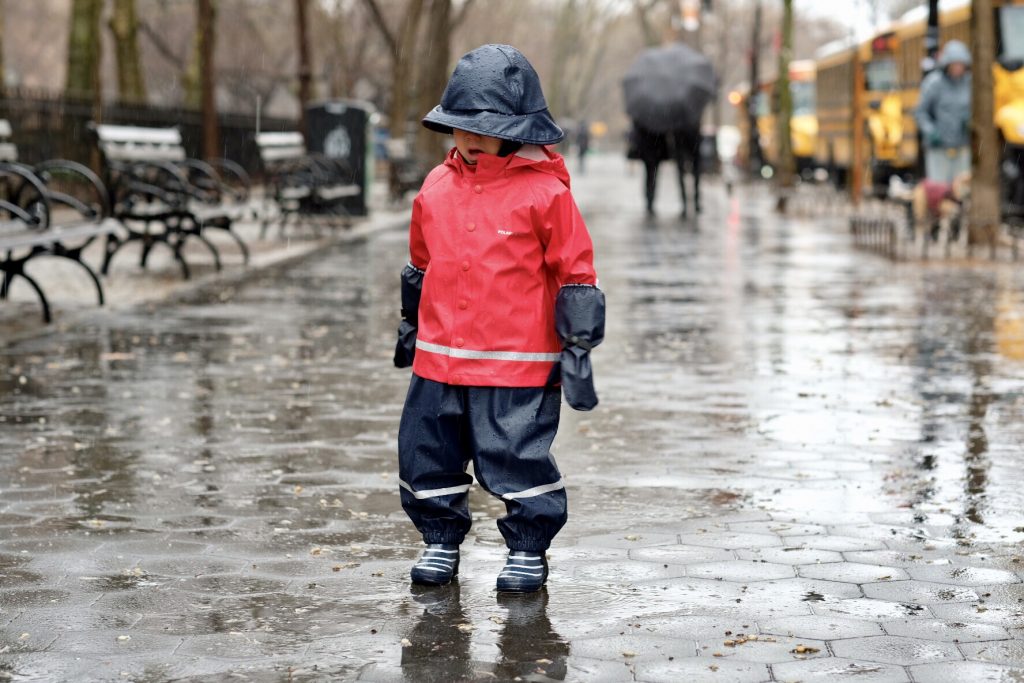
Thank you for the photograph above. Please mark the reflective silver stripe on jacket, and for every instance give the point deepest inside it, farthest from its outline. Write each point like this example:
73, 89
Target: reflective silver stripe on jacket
434, 493
470, 354
535, 491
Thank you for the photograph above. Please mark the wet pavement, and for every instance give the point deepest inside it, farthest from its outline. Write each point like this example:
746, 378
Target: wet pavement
806, 466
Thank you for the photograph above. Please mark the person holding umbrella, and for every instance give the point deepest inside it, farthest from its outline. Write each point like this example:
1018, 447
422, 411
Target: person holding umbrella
666, 91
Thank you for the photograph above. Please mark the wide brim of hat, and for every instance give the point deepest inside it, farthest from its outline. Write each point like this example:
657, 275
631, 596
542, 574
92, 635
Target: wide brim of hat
537, 128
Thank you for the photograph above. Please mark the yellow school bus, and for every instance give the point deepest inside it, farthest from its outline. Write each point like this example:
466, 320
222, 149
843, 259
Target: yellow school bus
803, 123
889, 70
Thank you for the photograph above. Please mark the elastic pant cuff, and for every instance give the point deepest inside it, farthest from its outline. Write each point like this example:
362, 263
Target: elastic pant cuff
446, 537
529, 546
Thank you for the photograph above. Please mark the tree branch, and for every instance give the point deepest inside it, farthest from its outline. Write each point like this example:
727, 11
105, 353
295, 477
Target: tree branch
382, 25
163, 48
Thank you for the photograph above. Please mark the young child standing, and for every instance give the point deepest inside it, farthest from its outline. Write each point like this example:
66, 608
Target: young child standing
499, 304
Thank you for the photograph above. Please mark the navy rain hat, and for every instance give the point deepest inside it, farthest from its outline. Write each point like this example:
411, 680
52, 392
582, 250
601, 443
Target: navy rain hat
495, 91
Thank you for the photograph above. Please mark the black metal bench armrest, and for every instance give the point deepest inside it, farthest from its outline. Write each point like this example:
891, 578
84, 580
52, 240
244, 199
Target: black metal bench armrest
32, 193
55, 167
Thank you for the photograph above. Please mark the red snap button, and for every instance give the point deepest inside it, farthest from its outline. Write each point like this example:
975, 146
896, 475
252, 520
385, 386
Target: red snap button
471, 227
459, 341
463, 304
456, 379
477, 189
465, 265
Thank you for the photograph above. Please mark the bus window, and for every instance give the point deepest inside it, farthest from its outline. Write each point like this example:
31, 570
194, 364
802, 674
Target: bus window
1011, 32
881, 74
803, 97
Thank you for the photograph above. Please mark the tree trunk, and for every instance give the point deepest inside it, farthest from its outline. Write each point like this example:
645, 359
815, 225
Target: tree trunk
124, 25
206, 23
754, 157
84, 50
3, 73
984, 215
401, 70
305, 63
430, 147
786, 171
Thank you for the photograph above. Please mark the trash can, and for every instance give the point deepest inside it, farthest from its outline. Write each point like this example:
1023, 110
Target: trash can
341, 130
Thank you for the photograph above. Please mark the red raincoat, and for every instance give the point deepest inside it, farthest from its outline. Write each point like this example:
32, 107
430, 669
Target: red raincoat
497, 242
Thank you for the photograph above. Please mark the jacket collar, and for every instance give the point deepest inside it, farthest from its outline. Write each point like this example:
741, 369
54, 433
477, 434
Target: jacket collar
490, 165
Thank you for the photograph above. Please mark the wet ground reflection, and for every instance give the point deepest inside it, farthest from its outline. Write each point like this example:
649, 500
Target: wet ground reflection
215, 479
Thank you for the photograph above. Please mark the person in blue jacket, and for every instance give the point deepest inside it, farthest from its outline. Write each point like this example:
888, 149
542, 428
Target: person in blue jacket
944, 115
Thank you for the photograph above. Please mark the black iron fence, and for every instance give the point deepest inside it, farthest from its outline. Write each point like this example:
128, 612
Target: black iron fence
47, 126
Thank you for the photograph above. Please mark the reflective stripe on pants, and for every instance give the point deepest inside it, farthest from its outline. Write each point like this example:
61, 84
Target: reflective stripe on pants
506, 432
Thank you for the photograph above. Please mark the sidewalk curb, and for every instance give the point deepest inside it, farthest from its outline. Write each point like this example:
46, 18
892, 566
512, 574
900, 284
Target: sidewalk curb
188, 290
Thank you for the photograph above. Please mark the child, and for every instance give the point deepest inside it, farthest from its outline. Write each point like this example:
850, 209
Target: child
499, 303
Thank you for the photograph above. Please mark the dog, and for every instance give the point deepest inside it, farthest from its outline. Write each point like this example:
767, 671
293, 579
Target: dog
936, 208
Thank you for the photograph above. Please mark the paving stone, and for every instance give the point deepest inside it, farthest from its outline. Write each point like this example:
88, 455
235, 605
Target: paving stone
700, 669
1010, 652
868, 608
629, 540
840, 544
681, 554
946, 631
1006, 615
919, 592
633, 648
742, 571
900, 558
822, 627
945, 672
766, 649
731, 540
963, 576
853, 572
793, 556
693, 627
627, 572
895, 650
779, 528
838, 668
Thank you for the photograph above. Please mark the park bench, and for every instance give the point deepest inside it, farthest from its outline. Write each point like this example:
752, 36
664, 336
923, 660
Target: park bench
301, 184
163, 197
56, 208
405, 173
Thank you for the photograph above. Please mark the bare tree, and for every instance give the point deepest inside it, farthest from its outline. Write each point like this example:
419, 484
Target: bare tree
402, 48
984, 215
3, 73
305, 63
787, 164
84, 49
124, 26
206, 31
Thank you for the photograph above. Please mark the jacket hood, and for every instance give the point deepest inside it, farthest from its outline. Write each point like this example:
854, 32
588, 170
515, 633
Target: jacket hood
534, 157
495, 91
952, 52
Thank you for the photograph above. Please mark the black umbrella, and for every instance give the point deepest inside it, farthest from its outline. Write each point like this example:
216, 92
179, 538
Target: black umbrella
667, 88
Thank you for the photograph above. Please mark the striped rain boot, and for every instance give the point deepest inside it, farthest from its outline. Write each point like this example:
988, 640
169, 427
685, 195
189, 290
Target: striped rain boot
524, 572
438, 565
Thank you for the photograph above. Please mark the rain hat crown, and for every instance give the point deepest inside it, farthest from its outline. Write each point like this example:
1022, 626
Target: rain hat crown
495, 91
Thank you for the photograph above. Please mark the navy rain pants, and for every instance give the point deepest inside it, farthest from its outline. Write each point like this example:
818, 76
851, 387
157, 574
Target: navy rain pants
507, 433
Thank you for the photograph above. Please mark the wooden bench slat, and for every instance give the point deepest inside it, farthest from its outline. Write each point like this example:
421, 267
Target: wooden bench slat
32, 238
333, 192
138, 134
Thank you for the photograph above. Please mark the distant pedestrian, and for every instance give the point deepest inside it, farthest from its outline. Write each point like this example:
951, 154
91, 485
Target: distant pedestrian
583, 145
944, 114
499, 301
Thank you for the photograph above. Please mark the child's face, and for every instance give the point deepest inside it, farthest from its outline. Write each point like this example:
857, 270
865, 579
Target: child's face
471, 144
